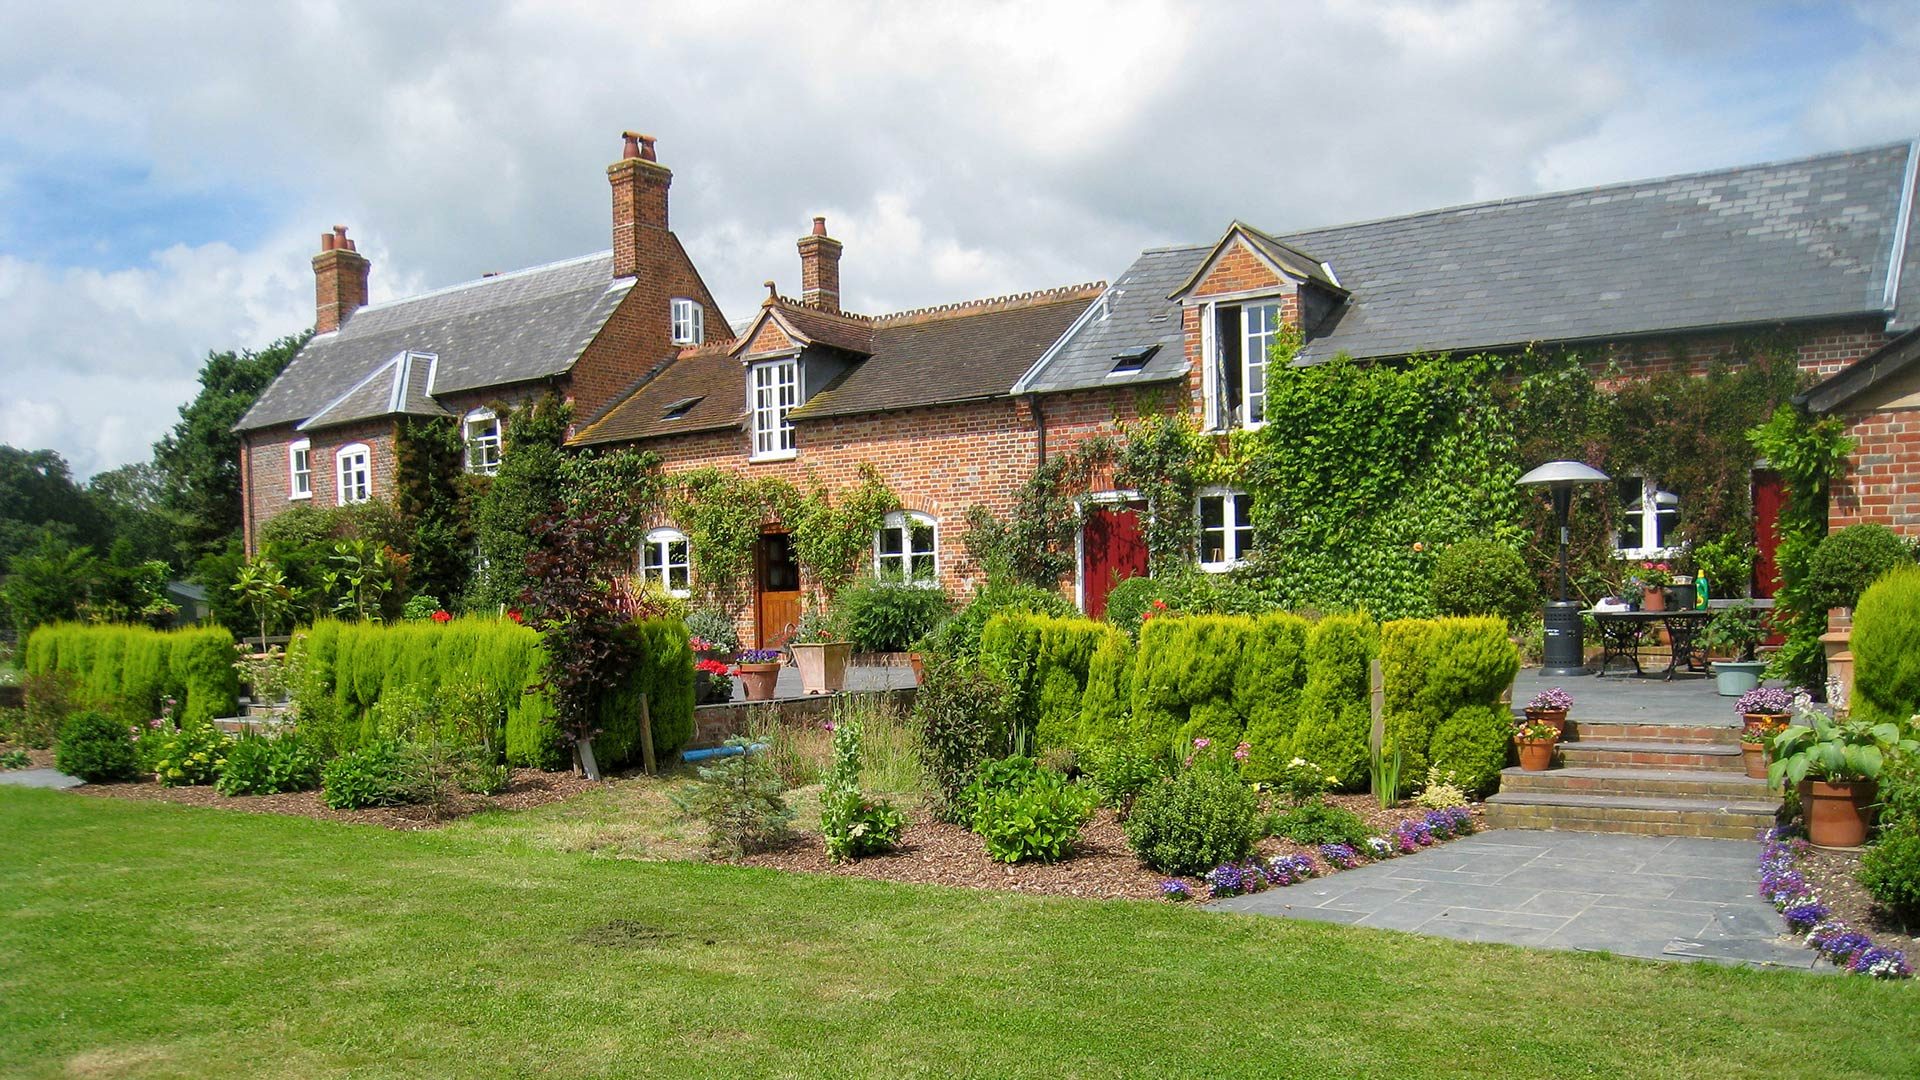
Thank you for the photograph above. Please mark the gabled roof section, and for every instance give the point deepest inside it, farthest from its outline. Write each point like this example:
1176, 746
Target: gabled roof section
496, 331
1282, 256
952, 353
807, 325
1134, 312
399, 387
705, 382
1897, 358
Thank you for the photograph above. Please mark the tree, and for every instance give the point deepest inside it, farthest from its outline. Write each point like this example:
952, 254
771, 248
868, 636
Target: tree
38, 499
261, 587
132, 499
49, 583
531, 477
200, 457
430, 495
586, 623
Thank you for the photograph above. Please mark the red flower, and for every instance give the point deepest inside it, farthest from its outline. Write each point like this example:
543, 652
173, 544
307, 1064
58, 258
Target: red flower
712, 667
514, 614
442, 616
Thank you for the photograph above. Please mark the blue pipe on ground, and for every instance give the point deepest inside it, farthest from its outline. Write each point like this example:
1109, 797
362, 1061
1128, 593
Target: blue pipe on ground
718, 752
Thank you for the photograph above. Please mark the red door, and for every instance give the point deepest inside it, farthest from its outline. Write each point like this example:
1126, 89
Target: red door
1112, 550
1768, 498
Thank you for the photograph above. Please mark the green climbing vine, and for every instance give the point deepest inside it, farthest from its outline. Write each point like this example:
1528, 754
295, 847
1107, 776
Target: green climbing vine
830, 536
724, 513
1034, 544
1809, 455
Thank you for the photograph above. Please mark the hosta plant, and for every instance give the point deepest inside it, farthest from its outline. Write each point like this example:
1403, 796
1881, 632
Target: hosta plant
1836, 752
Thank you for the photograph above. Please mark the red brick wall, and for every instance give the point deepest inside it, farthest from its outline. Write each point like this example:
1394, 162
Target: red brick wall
639, 334
267, 480
1237, 270
1883, 473
1823, 349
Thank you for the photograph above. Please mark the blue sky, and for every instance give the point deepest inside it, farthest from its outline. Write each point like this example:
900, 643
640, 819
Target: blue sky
165, 170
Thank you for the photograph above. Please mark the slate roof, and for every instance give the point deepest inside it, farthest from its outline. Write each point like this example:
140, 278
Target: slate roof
1132, 314
497, 331
1762, 244
710, 374
1890, 360
398, 386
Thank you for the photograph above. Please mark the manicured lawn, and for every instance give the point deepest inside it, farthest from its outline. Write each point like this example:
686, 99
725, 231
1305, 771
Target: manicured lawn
152, 940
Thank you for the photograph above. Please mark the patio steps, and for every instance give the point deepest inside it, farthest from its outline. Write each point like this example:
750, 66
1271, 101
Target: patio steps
1662, 780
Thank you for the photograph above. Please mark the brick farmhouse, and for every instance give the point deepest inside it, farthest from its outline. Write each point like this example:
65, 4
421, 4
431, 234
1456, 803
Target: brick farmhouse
955, 405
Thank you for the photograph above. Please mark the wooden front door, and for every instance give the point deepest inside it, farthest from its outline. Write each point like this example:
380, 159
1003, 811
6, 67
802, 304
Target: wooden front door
777, 597
1769, 496
1112, 550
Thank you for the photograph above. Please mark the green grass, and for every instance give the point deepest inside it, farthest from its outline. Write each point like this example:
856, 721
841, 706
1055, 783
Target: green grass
154, 940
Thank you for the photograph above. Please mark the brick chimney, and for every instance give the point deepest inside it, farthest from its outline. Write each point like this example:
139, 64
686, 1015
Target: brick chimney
820, 269
640, 185
339, 281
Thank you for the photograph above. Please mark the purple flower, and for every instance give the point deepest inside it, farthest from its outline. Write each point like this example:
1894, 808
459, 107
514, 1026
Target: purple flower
1880, 963
1440, 823
1379, 847
1555, 698
1804, 915
1764, 699
1843, 946
1340, 855
1225, 880
1175, 889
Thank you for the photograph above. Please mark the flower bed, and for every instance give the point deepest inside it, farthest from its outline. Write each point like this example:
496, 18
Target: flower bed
1832, 930
1408, 835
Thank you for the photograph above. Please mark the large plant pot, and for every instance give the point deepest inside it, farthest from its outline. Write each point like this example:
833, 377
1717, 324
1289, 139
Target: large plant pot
1735, 677
1838, 815
1553, 718
1754, 721
823, 665
1755, 757
758, 680
1536, 755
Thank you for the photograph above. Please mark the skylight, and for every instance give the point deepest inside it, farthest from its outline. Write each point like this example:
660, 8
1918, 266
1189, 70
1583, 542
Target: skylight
680, 408
1131, 360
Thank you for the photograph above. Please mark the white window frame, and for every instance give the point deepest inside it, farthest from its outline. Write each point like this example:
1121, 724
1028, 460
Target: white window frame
658, 564
688, 319
300, 470
1654, 501
1233, 545
488, 447
903, 523
345, 483
1254, 346
773, 391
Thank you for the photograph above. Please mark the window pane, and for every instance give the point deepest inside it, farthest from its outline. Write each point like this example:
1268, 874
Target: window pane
922, 538
890, 542
1212, 511
923, 568
677, 579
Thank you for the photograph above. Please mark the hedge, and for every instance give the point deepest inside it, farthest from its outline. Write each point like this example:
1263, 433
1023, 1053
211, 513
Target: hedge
1336, 716
1183, 680
1106, 709
356, 664
1272, 676
1407, 655
1886, 648
134, 668
1433, 669
1045, 661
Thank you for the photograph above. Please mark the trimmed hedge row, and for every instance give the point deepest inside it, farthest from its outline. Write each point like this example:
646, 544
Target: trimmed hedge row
356, 664
139, 667
1286, 687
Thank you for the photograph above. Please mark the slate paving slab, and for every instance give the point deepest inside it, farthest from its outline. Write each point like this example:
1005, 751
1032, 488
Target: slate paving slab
41, 778
1657, 897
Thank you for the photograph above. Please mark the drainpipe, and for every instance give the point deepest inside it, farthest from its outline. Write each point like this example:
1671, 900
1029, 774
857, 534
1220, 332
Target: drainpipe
1039, 431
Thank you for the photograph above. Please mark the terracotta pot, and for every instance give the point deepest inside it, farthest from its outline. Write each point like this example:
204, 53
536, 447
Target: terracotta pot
758, 680
1553, 718
1754, 721
919, 667
823, 665
1838, 815
1755, 756
1653, 600
1536, 755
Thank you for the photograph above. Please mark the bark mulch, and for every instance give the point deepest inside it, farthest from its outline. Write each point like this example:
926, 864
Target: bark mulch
528, 788
1832, 874
1101, 866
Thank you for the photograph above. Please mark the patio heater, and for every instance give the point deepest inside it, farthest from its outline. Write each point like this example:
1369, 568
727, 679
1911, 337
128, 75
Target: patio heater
1566, 652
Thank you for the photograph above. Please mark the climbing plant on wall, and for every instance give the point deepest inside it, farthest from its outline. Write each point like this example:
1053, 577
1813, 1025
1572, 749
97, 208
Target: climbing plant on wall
432, 496
1809, 455
722, 513
831, 535
520, 495
1034, 544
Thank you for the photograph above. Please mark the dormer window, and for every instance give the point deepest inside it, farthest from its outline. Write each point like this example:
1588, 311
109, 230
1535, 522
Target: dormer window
1243, 336
688, 325
773, 392
1132, 360
481, 433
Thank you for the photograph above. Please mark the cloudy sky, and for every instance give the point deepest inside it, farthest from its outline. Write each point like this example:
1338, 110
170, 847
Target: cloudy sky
166, 169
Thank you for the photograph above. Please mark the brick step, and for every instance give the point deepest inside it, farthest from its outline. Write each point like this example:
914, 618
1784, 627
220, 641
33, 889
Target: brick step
1599, 731
1650, 754
1726, 819
1705, 783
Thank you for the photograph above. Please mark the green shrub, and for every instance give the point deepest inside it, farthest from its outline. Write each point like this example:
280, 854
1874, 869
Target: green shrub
1335, 715
1106, 709
96, 748
15, 759
419, 607
1886, 648
1408, 653
959, 721
882, 617
1481, 577
47, 701
1844, 564
375, 774
1184, 678
1044, 661
269, 765
958, 638
187, 756
1118, 773
1317, 823
1890, 872
1272, 674
853, 824
993, 777
1036, 819
1128, 601
138, 667
742, 802
665, 675
1472, 745
1899, 793
715, 626
1194, 821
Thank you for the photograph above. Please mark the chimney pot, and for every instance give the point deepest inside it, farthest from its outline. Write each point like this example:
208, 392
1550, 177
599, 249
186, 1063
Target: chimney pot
632, 149
339, 281
639, 208
646, 148
326, 241
819, 226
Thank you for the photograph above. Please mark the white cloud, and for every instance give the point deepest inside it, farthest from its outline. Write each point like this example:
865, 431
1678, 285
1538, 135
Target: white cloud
958, 150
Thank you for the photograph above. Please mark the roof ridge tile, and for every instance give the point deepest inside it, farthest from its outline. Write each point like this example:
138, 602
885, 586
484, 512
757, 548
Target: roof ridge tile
1086, 290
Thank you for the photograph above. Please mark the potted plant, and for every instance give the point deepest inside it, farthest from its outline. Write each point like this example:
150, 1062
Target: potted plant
759, 671
1535, 741
1836, 766
1735, 630
1764, 706
712, 682
1753, 745
820, 653
1550, 707
1654, 579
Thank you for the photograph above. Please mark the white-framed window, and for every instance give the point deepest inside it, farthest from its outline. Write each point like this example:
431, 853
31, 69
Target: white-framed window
774, 392
353, 470
1258, 325
1239, 337
481, 433
300, 469
1646, 518
906, 549
666, 557
688, 321
1226, 528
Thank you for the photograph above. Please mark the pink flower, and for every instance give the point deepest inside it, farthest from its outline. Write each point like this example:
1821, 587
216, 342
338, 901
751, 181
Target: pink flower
1240, 752
1202, 743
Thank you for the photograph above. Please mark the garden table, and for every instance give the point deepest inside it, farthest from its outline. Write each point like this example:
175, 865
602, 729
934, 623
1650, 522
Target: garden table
1621, 634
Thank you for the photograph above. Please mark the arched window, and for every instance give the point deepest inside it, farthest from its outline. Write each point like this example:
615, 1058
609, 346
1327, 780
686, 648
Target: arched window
353, 470
481, 432
666, 557
906, 549
1226, 528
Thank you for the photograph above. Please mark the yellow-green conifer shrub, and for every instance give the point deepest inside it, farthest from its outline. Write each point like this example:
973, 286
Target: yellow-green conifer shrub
134, 667
1183, 680
1336, 717
1886, 648
665, 675
1407, 651
1106, 707
1044, 660
1472, 744
1273, 672
201, 662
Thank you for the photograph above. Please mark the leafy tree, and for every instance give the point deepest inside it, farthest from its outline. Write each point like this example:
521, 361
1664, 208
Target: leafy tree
431, 498
38, 498
200, 457
132, 498
49, 583
585, 623
517, 499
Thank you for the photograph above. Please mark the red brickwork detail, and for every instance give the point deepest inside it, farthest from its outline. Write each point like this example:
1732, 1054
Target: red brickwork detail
1237, 270
1883, 473
339, 287
770, 338
269, 480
